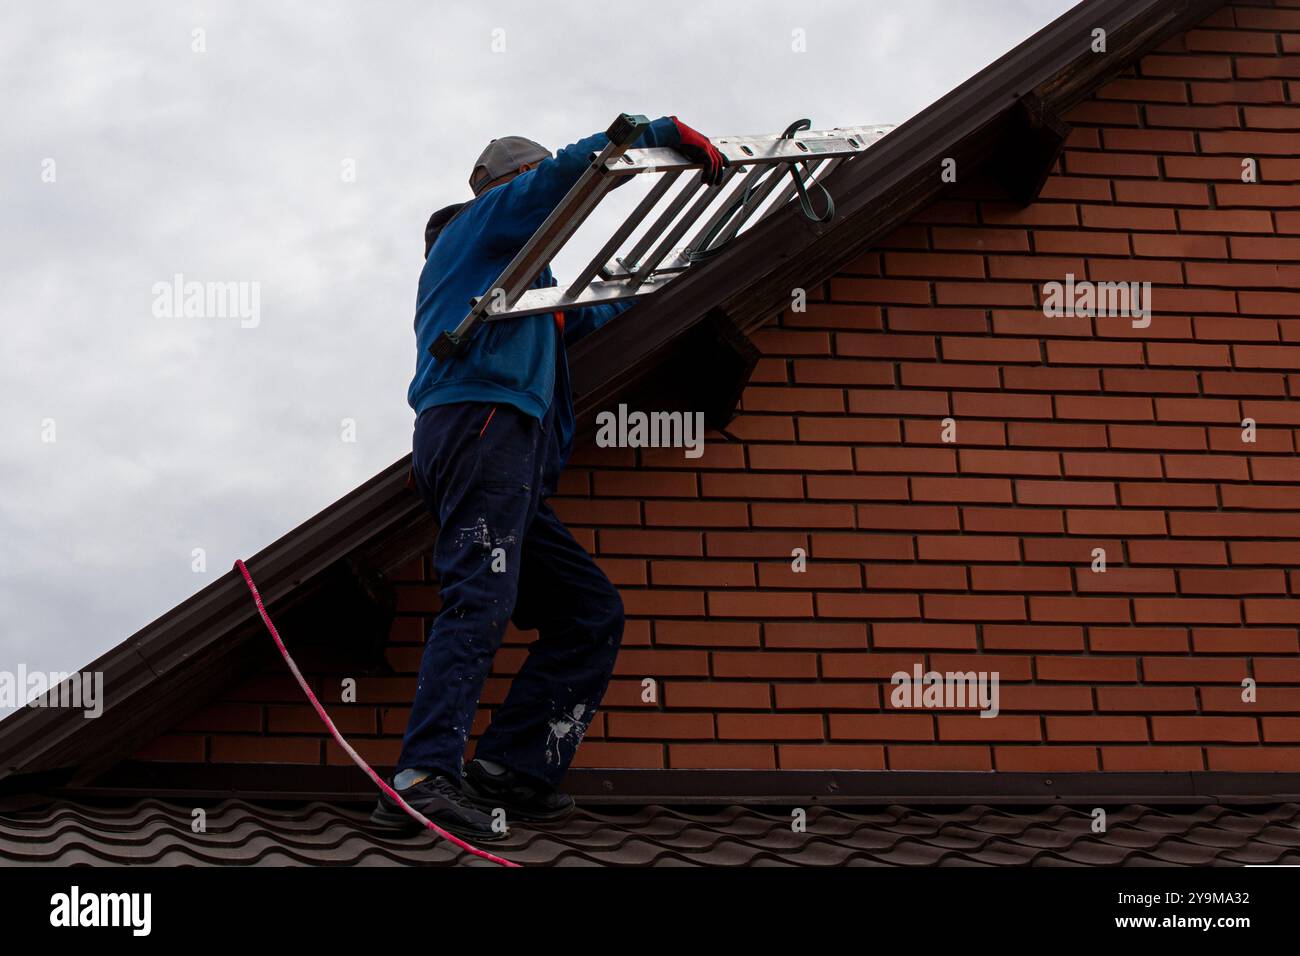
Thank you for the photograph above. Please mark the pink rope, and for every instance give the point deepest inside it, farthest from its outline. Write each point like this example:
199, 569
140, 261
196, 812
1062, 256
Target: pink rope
338, 737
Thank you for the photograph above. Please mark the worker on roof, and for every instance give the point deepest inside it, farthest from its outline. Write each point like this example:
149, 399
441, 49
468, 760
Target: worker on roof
494, 427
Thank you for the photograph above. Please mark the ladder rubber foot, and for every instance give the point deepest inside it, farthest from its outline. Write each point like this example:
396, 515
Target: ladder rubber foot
444, 347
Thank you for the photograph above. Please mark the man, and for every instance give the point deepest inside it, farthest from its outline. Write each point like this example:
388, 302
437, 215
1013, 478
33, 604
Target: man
494, 427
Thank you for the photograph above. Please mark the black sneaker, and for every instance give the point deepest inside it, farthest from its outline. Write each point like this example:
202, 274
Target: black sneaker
519, 796
439, 799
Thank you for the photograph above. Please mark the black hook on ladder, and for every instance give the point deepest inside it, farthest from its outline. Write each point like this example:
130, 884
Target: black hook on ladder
797, 171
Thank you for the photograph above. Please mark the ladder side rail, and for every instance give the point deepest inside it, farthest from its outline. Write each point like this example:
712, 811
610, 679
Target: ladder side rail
553, 298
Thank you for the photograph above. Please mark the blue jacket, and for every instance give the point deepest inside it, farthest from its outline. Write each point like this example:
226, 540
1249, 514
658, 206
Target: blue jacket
518, 361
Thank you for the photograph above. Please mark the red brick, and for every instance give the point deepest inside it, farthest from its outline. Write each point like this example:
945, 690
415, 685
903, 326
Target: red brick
706, 633
1019, 578
804, 399
1151, 759
865, 401
967, 548
1065, 492
934, 757
721, 756
816, 635
1013, 759
1148, 495
663, 602
797, 515
762, 604
915, 577
264, 749
659, 725
715, 695
1028, 637
865, 666
641, 543
858, 487
1183, 669
770, 727
1149, 140
1181, 246
1132, 217
982, 461
1147, 700
800, 458
970, 607
816, 575
842, 372
961, 727
1128, 522
1081, 243
1142, 90
599, 753
751, 486
929, 264
1112, 164
1077, 609
1188, 67
877, 291
1204, 729
1239, 640
1089, 670
830, 757
929, 635
1120, 580
881, 346
937, 320
867, 606
1185, 611
945, 376
640, 484
660, 663
848, 429
1253, 759
1148, 639
1096, 729
981, 239
1222, 221
827, 696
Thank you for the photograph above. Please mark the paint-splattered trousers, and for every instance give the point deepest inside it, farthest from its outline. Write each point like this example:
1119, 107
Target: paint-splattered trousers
502, 555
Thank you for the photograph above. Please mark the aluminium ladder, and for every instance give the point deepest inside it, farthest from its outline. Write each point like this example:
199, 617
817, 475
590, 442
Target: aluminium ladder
756, 165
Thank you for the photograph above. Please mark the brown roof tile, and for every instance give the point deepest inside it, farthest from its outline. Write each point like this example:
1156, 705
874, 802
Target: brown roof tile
152, 832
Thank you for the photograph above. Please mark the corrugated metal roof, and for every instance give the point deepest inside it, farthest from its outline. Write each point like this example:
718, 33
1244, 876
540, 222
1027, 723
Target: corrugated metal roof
151, 832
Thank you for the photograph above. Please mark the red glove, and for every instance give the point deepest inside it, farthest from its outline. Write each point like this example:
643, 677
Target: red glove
697, 148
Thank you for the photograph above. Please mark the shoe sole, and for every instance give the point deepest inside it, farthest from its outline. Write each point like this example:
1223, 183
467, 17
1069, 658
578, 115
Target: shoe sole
398, 821
515, 811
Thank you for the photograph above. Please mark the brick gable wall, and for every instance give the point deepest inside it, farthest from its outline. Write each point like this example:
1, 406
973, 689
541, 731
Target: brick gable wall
1071, 434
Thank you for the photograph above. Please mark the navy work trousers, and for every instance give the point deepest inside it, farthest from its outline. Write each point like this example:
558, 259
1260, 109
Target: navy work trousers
502, 555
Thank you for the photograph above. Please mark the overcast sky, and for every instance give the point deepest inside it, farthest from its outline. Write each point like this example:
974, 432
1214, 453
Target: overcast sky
129, 438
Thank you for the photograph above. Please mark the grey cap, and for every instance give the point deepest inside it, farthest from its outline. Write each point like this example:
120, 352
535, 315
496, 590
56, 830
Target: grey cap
502, 156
